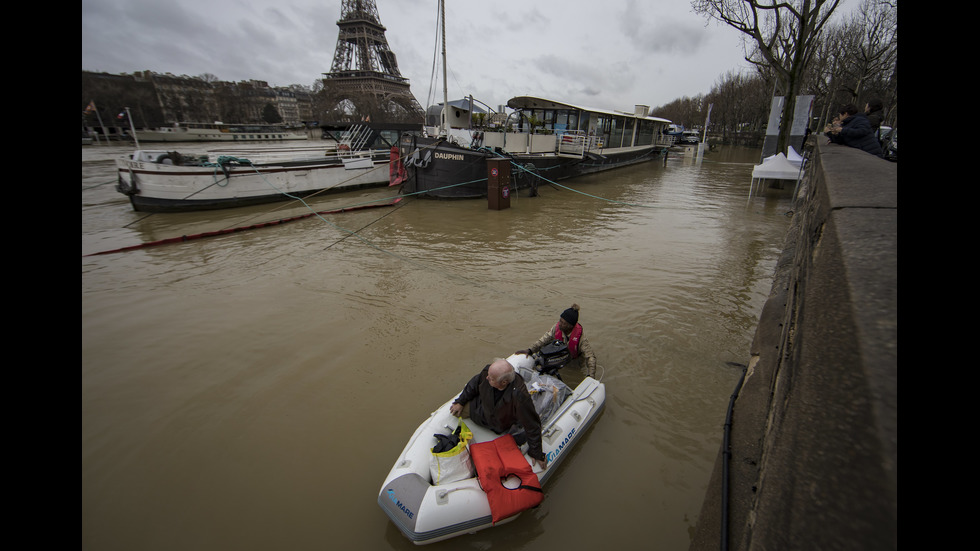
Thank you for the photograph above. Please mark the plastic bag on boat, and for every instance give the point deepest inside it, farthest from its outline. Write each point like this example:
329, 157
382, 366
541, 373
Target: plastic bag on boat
547, 392
450, 458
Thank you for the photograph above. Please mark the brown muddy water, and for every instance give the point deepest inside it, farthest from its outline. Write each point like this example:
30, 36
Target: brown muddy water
251, 391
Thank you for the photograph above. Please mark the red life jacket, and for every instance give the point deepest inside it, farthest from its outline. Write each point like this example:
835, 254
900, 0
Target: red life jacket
573, 338
396, 168
495, 461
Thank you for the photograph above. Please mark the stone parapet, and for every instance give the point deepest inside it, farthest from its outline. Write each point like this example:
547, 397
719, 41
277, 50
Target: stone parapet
813, 438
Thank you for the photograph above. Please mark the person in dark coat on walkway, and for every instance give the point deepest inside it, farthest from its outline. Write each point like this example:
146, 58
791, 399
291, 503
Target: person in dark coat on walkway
875, 112
853, 129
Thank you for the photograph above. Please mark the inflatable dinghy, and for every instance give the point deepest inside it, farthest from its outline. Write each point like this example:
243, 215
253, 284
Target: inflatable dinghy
427, 512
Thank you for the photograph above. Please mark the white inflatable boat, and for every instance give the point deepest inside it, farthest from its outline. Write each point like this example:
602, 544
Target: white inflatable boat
427, 513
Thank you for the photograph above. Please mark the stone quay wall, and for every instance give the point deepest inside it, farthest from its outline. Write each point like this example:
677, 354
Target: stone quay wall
812, 435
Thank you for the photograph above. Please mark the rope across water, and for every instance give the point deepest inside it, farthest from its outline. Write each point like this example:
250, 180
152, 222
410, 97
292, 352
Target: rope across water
224, 161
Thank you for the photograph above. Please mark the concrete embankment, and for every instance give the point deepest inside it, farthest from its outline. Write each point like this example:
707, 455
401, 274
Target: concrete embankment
813, 441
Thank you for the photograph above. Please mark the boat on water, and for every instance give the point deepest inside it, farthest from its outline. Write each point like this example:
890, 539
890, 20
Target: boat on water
168, 181
545, 140
220, 132
426, 512
673, 133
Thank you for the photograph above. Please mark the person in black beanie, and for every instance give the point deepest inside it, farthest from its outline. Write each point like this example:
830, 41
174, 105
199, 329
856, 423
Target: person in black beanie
569, 331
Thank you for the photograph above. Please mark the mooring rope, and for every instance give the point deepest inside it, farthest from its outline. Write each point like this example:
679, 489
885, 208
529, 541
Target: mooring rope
604, 198
224, 160
392, 201
98, 185
386, 201
226, 231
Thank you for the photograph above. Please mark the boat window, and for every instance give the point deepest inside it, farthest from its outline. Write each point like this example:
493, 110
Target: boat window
615, 133
645, 134
389, 137
628, 132
602, 126
606, 124
561, 118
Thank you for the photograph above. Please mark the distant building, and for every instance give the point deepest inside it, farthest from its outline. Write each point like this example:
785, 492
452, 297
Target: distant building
157, 99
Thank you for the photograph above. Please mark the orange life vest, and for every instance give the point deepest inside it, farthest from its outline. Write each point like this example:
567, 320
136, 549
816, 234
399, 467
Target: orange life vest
497, 460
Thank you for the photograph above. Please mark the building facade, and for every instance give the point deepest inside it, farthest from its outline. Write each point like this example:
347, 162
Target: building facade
156, 99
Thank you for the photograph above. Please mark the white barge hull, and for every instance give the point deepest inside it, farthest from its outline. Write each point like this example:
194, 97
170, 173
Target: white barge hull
154, 186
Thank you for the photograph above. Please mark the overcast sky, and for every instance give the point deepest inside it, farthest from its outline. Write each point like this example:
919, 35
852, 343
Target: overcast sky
608, 54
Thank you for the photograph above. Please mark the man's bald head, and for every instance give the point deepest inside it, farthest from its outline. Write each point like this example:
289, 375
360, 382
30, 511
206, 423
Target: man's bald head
500, 374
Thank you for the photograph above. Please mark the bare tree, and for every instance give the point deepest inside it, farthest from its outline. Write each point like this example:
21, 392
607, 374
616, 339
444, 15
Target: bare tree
741, 106
871, 68
824, 75
783, 35
857, 61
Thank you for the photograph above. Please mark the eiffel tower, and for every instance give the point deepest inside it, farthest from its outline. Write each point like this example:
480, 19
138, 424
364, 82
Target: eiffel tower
364, 80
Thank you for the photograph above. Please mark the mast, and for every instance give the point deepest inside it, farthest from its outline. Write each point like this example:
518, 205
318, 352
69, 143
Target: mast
445, 83
132, 128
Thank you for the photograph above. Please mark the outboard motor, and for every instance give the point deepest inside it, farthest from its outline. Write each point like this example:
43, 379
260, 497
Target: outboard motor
553, 357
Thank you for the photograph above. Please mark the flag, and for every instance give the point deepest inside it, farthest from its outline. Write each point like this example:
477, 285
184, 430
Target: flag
121, 115
91, 107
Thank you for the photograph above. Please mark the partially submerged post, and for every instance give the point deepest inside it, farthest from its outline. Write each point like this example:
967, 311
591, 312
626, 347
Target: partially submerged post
498, 184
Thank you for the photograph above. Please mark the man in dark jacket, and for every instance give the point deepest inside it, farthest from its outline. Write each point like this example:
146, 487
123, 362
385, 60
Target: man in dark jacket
853, 129
498, 399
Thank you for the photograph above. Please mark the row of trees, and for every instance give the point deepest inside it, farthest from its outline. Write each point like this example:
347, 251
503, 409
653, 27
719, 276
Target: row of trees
795, 49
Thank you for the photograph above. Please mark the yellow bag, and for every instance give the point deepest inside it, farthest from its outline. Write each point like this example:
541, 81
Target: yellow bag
453, 464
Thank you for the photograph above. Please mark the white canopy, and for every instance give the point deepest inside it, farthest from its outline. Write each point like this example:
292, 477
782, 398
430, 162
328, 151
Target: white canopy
777, 167
794, 157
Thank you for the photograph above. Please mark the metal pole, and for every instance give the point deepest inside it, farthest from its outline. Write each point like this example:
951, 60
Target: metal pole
133, 128
445, 83
105, 133
704, 134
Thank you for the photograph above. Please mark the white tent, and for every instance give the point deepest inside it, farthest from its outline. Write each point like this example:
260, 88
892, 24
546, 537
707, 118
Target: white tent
793, 157
778, 167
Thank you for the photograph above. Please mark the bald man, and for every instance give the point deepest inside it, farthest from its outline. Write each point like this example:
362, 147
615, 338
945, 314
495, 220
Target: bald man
498, 399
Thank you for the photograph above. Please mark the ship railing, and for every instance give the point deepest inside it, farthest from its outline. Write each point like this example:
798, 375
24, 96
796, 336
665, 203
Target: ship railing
573, 143
355, 139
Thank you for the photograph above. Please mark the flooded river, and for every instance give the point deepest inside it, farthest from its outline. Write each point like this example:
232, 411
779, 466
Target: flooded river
251, 391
